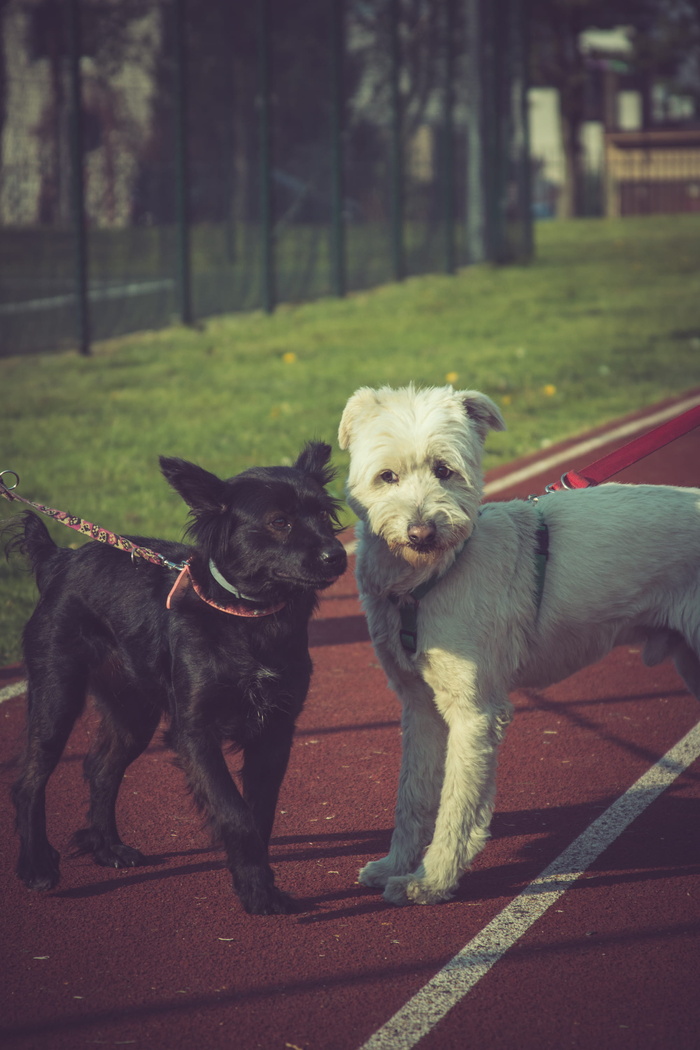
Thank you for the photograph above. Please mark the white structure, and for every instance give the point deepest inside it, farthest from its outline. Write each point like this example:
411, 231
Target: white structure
117, 102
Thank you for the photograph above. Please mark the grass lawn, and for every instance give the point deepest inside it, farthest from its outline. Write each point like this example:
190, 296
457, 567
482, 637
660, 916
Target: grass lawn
605, 320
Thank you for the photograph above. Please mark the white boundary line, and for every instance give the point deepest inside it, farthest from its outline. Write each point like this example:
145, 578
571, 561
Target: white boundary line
11, 691
119, 291
421, 1013
584, 447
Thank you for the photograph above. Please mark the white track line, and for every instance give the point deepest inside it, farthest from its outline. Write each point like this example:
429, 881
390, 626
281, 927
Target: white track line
119, 291
9, 692
421, 1013
583, 448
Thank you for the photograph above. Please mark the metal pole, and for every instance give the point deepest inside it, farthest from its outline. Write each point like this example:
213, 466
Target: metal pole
78, 181
492, 158
448, 132
521, 123
476, 195
266, 226
503, 87
181, 168
337, 126
397, 245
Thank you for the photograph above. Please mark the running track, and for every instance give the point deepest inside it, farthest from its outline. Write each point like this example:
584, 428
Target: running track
579, 925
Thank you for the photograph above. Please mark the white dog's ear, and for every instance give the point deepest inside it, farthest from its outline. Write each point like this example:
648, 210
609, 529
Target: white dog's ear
358, 405
482, 410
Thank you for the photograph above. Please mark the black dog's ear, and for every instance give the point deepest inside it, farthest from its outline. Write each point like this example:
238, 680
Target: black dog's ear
199, 489
314, 459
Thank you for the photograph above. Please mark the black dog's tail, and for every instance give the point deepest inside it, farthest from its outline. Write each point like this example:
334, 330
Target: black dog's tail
29, 536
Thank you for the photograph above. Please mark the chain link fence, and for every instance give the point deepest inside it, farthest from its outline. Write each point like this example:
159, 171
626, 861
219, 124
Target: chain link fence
166, 160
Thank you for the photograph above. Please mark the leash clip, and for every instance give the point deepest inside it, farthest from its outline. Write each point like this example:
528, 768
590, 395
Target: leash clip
569, 481
556, 485
6, 490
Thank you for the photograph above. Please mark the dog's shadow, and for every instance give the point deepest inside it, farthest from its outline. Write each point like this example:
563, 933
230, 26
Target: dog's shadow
150, 871
645, 851
639, 855
331, 845
338, 630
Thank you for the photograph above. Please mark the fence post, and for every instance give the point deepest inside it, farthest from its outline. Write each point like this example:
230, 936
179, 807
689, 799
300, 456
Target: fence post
492, 130
448, 134
396, 188
521, 123
476, 202
78, 180
337, 128
496, 58
181, 168
266, 226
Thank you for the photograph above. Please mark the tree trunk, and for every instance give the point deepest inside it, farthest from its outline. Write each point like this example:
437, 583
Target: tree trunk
570, 120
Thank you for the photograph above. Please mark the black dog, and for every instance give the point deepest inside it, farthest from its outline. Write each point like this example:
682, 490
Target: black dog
221, 671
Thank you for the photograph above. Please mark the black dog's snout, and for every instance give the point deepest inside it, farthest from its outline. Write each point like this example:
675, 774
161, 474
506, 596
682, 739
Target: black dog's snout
335, 559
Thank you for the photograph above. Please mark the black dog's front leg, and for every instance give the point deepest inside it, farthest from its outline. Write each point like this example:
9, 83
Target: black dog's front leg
234, 823
264, 767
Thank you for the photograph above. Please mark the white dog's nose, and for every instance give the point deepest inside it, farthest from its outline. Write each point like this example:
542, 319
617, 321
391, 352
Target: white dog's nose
421, 533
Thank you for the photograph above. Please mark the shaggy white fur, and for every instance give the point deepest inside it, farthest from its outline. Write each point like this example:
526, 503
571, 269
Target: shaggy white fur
623, 566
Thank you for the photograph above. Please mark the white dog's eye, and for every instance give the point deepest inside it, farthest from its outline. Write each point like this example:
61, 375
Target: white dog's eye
389, 477
443, 472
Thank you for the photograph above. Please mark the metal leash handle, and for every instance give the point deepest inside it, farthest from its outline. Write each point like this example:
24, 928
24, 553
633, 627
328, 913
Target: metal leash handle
87, 528
6, 490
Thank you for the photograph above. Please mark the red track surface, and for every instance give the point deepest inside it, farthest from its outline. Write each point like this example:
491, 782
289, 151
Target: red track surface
163, 957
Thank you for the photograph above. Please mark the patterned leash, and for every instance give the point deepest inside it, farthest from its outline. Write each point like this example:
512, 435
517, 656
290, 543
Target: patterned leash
86, 528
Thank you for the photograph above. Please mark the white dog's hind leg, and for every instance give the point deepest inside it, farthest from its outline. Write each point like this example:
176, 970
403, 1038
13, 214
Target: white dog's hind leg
466, 805
688, 667
422, 763
662, 644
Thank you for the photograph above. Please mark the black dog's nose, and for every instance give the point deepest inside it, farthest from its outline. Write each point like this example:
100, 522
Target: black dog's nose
335, 559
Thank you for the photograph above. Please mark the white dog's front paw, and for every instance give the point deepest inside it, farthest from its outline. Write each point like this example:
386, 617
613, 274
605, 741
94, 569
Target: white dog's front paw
377, 872
407, 889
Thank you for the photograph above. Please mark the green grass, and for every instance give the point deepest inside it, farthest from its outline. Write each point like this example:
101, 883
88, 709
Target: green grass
606, 319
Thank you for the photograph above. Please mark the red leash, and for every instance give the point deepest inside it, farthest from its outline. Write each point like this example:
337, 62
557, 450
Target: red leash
630, 453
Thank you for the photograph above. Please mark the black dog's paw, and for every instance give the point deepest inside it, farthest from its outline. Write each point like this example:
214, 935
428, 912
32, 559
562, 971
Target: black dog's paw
268, 900
40, 873
254, 883
106, 854
120, 856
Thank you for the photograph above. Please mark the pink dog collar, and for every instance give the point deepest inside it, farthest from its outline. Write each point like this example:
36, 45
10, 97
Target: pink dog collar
185, 579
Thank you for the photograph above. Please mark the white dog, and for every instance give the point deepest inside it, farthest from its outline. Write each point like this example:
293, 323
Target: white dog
459, 583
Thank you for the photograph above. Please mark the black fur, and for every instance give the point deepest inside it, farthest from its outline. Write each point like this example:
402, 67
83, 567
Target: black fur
101, 627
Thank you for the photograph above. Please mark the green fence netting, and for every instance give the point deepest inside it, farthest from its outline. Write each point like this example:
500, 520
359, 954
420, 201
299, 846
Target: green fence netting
166, 160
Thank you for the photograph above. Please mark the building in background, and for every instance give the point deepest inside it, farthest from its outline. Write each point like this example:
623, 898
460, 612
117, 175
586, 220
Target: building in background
641, 155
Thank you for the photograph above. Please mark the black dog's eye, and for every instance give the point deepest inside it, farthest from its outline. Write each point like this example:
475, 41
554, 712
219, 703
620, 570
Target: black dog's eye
443, 472
280, 523
389, 477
